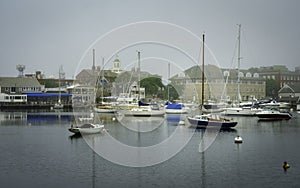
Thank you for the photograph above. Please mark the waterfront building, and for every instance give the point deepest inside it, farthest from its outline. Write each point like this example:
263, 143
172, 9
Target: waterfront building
19, 92
82, 95
290, 93
219, 84
13, 88
276, 77
19, 85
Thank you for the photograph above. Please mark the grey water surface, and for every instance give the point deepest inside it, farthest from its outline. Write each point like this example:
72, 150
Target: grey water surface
37, 150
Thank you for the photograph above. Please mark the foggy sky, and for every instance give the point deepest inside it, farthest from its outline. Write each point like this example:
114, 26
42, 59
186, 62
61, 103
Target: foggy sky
43, 35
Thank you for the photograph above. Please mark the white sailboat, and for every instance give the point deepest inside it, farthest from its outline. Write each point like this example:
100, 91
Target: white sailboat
58, 104
104, 107
143, 109
242, 110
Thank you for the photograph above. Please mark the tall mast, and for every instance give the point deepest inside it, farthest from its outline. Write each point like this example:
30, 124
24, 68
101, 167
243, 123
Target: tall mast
168, 82
202, 96
102, 78
239, 62
139, 74
59, 92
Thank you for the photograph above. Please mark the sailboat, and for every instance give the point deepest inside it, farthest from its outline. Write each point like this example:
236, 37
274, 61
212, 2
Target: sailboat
242, 109
143, 109
209, 120
177, 108
58, 104
104, 107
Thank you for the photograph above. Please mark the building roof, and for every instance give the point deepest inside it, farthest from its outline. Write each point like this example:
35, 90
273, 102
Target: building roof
19, 82
290, 88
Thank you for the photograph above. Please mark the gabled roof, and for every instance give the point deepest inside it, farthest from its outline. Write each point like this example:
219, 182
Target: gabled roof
290, 88
89, 71
19, 82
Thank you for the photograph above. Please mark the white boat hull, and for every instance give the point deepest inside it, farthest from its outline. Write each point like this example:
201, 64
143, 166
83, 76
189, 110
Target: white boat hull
176, 111
96, 128
145, 113
105, 110
242, 111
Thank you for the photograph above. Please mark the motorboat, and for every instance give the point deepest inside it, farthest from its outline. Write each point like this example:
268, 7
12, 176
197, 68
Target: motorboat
87, 128
211, 120
176, 109
272, 113
145, 110
242, 111
211, 108
102, 108
275, 103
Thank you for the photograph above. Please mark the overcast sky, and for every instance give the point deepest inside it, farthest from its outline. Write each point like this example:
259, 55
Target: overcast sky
42, 35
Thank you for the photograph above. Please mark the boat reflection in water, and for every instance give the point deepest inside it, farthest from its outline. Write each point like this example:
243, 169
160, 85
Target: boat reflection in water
141, 124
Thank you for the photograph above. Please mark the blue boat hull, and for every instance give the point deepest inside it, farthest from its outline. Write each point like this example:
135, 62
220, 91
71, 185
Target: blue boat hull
204, 124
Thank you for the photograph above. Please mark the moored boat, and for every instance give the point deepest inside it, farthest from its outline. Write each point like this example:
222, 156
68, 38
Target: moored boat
176, 109
210, 120
272, 113
105, 109
145, 110
88, 128
242, 111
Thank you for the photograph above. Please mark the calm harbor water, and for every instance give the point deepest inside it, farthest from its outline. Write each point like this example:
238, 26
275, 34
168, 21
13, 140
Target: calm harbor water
37, 150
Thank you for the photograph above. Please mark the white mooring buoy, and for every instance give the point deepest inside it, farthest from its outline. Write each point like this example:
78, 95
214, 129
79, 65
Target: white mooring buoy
238, 139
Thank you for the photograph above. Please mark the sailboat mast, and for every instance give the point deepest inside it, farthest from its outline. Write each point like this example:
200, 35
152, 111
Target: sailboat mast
239, 62
202, 96
102, 79
59, 92
139, 74
168, 82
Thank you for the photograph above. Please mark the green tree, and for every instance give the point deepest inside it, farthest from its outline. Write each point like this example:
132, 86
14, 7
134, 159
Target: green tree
153, 87
49, 83
271, 88
173, 92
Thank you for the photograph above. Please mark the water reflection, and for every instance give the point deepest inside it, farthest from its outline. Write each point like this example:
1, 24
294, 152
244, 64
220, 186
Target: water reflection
142, 124
34, 118
224, 163
75, 136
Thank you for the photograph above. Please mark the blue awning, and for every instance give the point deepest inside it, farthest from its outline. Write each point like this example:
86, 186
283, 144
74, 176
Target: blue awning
47, 94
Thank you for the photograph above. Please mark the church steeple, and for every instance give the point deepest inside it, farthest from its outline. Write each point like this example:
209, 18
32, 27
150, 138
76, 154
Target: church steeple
116, 67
